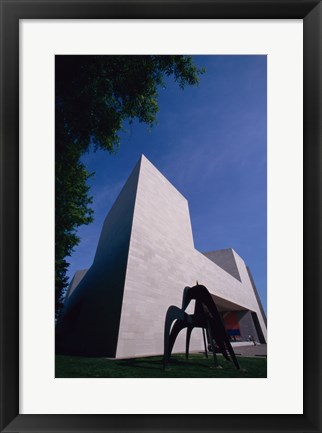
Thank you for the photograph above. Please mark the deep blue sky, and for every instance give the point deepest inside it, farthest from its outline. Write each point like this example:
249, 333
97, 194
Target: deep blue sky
210, 142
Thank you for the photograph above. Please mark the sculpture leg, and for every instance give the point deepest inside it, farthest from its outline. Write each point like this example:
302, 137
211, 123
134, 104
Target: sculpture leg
173, 314
212, 342
232, 353
225, 346
204, 342
223, 342
177, 327
189, 330
214, 354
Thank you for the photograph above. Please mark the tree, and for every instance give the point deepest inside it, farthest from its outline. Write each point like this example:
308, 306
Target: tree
94, 96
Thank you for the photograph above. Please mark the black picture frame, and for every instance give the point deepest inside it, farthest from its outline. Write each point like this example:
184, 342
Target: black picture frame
11, 12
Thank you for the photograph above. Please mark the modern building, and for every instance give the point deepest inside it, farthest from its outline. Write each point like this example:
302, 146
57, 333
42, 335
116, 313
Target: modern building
144, 259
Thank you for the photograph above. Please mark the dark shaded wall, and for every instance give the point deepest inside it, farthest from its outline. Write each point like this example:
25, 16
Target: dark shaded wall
90, 321
246, 325
257, 295
249, 325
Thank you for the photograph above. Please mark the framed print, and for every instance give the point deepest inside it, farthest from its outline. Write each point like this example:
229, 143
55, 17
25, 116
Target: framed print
277, 103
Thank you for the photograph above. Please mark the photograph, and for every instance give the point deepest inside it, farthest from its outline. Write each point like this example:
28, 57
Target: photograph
160, 216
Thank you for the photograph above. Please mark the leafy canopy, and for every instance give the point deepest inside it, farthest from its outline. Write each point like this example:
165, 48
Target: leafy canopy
94, 96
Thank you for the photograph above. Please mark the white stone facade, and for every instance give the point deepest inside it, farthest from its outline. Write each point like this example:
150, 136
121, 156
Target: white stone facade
161, 261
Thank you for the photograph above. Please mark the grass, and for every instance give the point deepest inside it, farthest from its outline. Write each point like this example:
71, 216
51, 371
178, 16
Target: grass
151, 367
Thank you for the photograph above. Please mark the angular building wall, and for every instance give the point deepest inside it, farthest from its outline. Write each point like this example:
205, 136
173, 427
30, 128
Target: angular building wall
144, 259
91, 316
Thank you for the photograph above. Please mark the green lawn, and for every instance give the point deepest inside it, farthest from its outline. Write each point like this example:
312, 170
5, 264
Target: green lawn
151, 367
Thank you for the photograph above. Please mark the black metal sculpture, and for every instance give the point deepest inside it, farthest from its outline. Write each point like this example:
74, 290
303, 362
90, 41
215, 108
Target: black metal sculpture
205, 316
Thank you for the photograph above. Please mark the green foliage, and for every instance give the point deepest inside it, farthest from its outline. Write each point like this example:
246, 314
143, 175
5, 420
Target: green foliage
71, 211
95, 95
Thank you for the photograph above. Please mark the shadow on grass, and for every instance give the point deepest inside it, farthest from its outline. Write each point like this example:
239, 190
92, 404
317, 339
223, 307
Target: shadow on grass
152, 364
152, 367
133, 363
